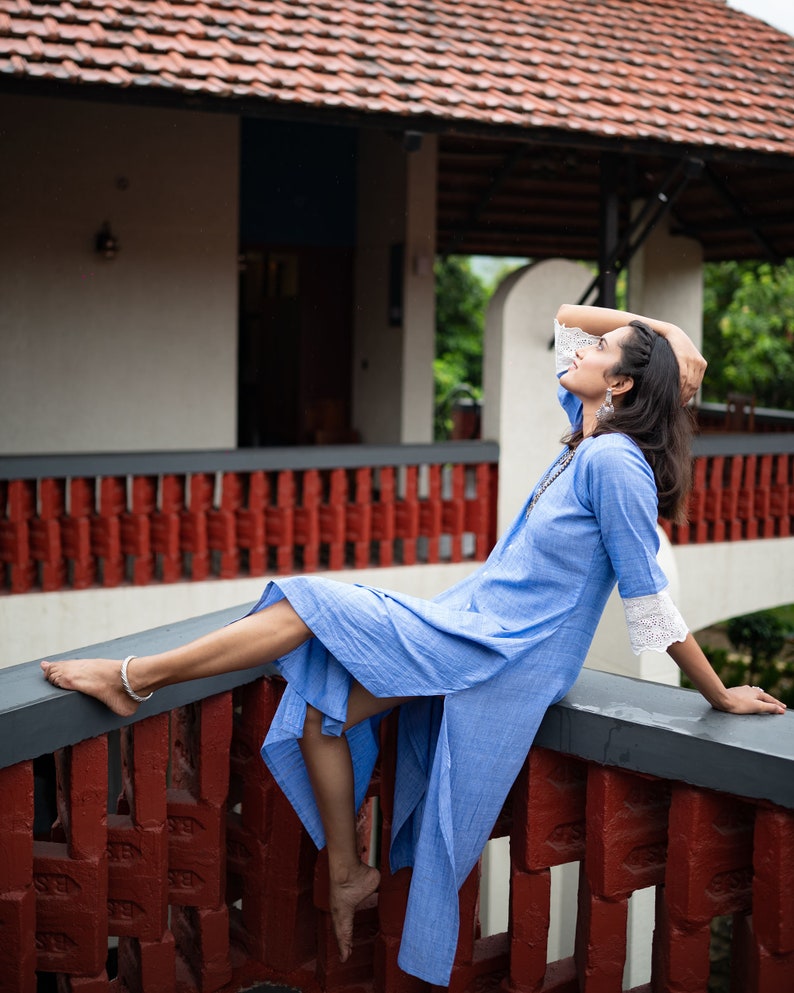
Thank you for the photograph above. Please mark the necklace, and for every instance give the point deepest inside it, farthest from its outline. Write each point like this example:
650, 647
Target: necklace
558, 466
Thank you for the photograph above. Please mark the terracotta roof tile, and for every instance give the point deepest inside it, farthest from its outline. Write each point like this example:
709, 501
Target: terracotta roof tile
692, 71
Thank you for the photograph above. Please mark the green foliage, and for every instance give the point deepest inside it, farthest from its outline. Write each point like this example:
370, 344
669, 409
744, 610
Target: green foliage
461, 299
748, 331
763, 637
763, 652
462, 295
786, 617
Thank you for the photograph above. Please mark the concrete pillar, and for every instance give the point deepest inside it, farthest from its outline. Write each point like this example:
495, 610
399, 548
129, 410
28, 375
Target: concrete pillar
394, 330
419, 306
666, 280
377, 346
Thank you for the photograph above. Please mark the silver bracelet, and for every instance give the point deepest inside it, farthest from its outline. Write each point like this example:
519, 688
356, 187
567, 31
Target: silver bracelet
126, 683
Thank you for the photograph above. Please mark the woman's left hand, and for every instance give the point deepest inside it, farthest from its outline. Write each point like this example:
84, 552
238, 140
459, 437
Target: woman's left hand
751, 700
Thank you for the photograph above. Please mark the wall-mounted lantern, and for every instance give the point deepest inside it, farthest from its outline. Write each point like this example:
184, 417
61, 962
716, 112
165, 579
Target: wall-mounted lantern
106, 243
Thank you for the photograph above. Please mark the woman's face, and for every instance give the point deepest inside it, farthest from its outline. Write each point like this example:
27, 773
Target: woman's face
590, 373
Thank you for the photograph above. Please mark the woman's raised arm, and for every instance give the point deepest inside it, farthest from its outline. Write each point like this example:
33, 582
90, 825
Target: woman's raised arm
599, 320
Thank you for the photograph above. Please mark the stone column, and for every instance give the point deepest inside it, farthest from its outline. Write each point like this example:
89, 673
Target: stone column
394, 333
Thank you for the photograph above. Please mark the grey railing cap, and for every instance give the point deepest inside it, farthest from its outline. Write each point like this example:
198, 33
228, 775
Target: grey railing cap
675, 734
614, 720
59, 466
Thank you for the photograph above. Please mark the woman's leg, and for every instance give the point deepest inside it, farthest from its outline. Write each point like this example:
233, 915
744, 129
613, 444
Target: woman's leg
330, 770
251, 641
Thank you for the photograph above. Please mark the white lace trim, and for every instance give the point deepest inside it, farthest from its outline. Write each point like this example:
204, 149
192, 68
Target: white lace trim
566, 342
654, 622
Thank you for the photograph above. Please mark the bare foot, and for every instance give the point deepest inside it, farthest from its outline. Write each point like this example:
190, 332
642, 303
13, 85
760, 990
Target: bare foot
344, 898
99, 678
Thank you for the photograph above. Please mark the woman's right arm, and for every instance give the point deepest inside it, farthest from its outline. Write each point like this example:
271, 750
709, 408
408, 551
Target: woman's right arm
599, 320
689, 658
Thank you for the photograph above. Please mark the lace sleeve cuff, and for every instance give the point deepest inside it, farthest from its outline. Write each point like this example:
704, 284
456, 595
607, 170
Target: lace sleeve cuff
566, 341
654, 622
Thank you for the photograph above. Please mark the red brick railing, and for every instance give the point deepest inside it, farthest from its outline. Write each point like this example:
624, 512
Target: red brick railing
743, 490
82, 521
73, 522
202, 879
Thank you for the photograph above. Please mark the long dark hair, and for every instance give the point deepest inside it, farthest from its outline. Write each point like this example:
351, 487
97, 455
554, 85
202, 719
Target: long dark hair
650, 413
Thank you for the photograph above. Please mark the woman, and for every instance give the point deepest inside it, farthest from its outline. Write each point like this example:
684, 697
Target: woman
476, 668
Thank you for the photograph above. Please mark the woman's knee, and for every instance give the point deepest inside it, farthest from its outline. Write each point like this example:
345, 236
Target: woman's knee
313, 722
288, 618
362, 704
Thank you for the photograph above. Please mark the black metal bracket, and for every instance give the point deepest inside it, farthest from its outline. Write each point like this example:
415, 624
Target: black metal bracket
654, 209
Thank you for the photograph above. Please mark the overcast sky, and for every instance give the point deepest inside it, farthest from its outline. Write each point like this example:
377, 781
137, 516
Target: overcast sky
779, 13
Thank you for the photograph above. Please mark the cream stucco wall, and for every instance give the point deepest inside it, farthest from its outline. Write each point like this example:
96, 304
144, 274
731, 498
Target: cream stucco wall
135, 353
719, 581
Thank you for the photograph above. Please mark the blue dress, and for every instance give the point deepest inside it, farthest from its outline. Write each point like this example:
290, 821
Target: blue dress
485, 659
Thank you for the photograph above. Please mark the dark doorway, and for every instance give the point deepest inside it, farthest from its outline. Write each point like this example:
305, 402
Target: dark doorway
295, 346
297, 234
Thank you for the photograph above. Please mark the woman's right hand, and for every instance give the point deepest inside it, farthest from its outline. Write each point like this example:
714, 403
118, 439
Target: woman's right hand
691, 364
751, 700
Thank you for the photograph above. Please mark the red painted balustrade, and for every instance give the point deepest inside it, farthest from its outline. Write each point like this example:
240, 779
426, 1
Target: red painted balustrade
76, 530
206, 879
79, 531
738, 497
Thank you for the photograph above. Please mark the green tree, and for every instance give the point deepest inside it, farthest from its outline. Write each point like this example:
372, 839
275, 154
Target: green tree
720, 281
762, 652
748, 331
762, 635
462, 294
461, 299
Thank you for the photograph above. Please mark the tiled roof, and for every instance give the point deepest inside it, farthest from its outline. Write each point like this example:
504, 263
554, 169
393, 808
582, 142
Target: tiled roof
676, 71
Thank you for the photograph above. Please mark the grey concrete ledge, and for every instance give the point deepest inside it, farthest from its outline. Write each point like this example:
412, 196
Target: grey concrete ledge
762, 443
674, 734
57, 466
775, 414
37, 718
613, 720
244, 459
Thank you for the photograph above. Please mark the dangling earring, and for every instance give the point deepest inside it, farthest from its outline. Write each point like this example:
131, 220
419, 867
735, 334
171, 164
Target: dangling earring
606, 410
